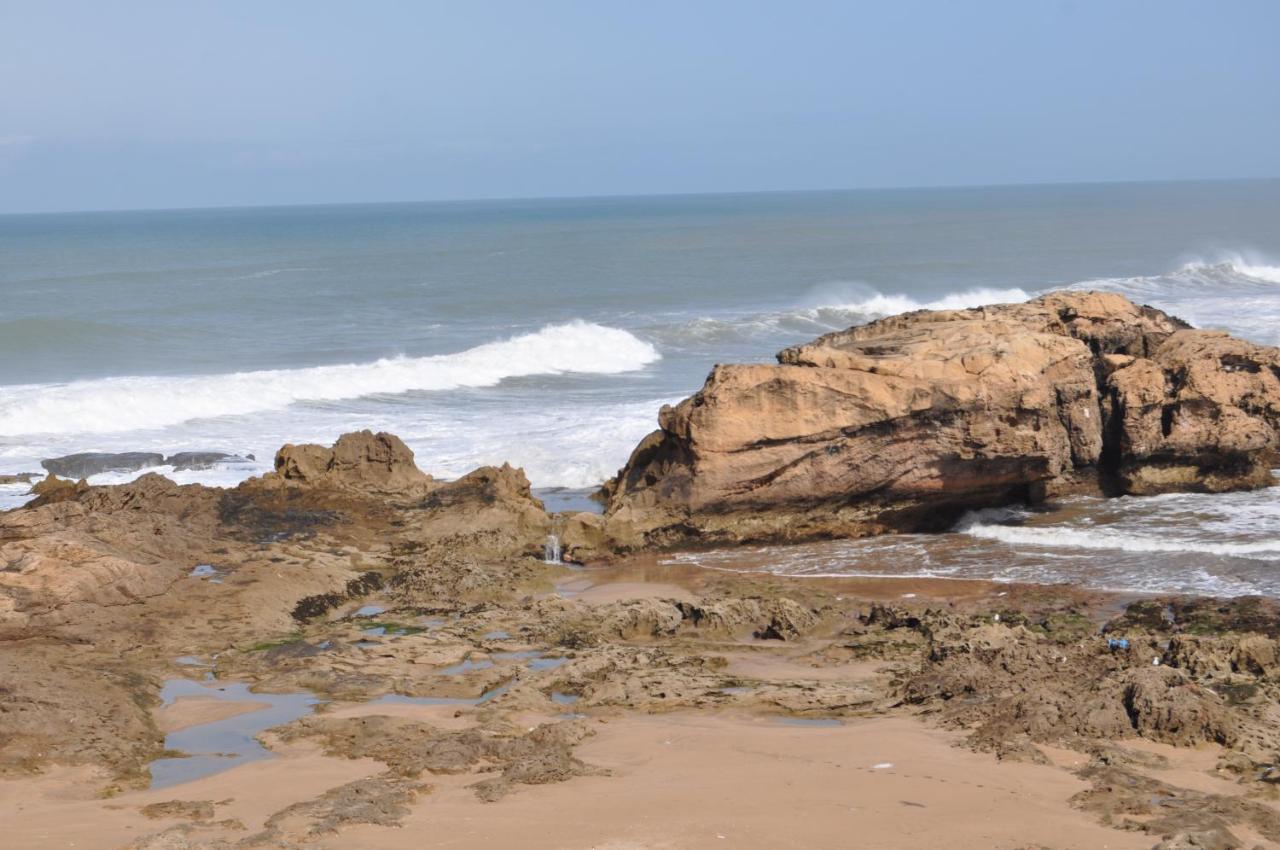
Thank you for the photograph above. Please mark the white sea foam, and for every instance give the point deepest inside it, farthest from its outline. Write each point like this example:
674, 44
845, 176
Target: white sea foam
1106, 539
827, 309
1254, 267
13, 495
1236, 292
131, 403
879, 304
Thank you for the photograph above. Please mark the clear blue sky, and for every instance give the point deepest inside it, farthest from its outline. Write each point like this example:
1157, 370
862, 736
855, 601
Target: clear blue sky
135, 104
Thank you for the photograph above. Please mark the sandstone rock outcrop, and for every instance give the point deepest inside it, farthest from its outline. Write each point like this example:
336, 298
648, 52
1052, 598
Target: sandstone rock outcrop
357, 461
491, 509
903, 423
76, 544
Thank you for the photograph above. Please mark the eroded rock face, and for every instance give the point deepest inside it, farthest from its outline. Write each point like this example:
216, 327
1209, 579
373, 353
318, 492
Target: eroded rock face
490, 510
903, 423
357, 461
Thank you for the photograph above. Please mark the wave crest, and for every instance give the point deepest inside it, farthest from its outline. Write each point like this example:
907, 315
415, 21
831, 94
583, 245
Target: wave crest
829, 314
1102, 539
878, 305
130, 403
1233, 264
1232, 292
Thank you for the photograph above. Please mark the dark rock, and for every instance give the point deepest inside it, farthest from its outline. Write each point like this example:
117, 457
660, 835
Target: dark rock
198, 460
84, 464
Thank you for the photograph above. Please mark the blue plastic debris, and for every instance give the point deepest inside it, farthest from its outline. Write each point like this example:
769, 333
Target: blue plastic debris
1117, 643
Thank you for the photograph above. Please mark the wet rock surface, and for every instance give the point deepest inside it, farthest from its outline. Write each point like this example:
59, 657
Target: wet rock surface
85, 464
410, 749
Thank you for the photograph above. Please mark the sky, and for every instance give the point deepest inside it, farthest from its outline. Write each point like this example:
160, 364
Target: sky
140, 104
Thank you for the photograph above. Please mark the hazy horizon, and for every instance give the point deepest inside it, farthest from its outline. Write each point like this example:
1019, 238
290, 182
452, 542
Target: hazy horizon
497, 199
161, 106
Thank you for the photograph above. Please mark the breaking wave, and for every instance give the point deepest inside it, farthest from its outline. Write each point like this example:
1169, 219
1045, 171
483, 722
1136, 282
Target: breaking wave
1232, 292
878, 305
129, 403
1059, 537
829, 313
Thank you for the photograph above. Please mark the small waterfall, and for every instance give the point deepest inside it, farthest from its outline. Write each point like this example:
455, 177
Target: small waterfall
551, 550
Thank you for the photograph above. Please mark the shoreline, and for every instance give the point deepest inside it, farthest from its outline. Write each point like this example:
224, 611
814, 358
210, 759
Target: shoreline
408, 646
429, 677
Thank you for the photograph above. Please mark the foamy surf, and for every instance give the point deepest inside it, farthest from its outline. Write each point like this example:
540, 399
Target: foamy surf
1105, 540
1234, 292
134, 403
879, 305
828, 310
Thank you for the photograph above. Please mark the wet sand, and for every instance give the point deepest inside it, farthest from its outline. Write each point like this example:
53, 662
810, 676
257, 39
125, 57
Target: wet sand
185, 712
64, 807
638, 576
675, 782
697, 781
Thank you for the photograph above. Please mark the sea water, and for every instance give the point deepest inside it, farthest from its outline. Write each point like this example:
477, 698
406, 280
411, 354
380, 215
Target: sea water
548, 333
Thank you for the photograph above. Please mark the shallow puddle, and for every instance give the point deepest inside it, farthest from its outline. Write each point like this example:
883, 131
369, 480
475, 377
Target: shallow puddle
466, 667
564, 699
222, 744
207, 571
569, 500
400, 699
825, 722
547, 663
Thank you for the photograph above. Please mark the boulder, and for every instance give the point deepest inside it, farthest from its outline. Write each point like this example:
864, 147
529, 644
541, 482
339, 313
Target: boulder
51, 488
490, 512
904, 423
361, 461
1201, 414
1165, 705
84, 464
198, 460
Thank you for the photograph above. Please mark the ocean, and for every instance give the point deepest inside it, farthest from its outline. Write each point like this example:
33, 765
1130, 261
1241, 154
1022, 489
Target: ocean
547, 333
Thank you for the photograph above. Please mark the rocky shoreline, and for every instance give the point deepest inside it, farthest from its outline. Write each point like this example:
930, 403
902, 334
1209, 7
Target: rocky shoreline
457, 673
905, 423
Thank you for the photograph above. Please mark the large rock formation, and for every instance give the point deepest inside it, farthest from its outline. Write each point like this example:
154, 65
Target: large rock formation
107, 546
903, 423
490, 512
360, 460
